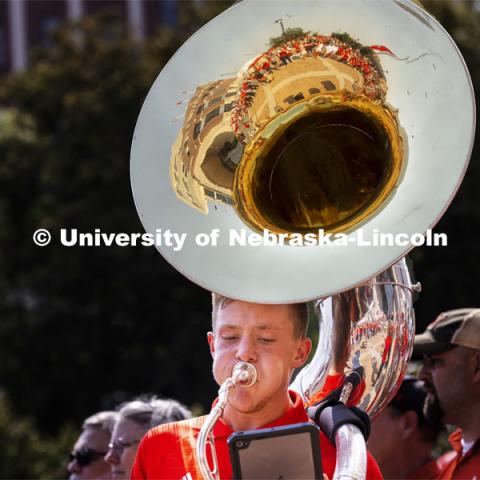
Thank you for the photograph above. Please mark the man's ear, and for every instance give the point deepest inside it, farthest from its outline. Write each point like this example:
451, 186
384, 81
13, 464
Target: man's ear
211, 343
476, 367
409, 423
303, 351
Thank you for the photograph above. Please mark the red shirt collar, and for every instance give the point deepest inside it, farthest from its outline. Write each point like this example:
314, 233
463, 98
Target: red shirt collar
455, 440
295, 414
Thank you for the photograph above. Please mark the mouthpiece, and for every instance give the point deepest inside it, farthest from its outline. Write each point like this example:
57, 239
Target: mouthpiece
244, 374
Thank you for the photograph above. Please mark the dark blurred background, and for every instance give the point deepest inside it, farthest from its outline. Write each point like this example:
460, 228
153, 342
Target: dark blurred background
82, 329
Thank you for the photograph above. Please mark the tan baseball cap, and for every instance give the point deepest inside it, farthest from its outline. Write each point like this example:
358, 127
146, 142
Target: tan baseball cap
451, 328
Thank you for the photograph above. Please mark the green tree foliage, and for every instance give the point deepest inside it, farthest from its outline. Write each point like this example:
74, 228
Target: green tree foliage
289, 34
25, 453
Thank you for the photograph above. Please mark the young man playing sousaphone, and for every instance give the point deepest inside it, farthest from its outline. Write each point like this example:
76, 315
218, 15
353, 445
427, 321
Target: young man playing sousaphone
273, 339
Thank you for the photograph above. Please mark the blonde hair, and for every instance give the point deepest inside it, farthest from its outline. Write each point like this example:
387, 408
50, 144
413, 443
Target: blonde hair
300, 325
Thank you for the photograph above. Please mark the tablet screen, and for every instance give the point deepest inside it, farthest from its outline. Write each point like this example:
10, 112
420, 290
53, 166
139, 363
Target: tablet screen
290, 452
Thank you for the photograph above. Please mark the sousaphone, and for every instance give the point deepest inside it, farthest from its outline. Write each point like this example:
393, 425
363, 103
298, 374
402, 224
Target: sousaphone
284, 139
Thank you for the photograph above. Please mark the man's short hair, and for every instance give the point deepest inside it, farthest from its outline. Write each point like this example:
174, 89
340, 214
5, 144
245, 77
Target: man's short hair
101, 421
300, 326
149, 412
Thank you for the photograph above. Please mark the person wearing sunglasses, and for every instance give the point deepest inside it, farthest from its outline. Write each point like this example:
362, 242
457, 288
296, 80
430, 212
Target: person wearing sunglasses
87, 457
134, 419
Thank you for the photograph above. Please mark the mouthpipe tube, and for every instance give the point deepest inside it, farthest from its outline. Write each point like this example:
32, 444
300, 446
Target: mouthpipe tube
244, 374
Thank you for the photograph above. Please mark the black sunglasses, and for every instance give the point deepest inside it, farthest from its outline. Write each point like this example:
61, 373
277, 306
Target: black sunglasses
85, 456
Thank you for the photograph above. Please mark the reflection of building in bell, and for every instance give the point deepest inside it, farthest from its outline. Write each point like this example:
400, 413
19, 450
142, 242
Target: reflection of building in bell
206, 152
316, 75
285, 85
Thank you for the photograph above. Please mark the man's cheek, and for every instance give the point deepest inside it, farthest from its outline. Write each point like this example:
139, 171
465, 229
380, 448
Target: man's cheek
219, 369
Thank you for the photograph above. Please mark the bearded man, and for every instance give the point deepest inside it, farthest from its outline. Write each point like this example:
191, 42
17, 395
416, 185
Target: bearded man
451, 372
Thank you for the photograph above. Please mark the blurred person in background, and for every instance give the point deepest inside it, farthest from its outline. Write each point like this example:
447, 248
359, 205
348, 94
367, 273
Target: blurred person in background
87, 460
134, 419
451, 350
401, 438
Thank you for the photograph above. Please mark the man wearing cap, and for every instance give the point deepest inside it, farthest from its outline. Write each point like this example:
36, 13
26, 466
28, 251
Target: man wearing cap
451, 372
401, 438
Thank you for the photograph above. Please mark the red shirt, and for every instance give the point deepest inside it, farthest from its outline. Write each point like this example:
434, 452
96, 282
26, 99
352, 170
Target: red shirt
429, 471
168, 451
460, 466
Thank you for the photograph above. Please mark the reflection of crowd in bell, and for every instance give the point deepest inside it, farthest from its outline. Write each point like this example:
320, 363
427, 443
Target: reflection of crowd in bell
261, 70
365, 330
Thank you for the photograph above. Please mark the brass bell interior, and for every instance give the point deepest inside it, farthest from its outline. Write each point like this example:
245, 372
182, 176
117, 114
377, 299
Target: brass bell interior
325, 164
